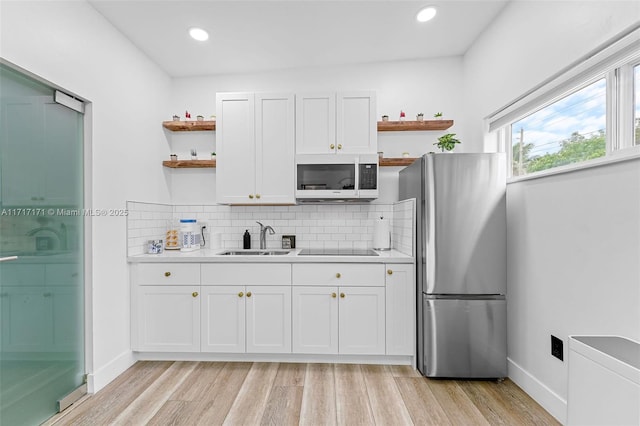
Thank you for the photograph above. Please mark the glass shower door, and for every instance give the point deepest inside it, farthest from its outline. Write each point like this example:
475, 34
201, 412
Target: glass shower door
41, 243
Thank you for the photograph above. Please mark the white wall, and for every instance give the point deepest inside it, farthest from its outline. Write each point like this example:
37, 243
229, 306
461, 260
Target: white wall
573, 239
426, 86
72, 46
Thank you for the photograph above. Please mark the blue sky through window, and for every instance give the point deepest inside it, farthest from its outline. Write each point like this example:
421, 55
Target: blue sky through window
583, 112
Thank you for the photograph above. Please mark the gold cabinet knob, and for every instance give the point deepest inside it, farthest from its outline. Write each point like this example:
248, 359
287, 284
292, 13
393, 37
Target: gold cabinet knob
332, 146
389, 271
339, 146
257, 195
240, 294
342, 295
194, 294
248, 294
338, 275
333, 295
167, 274
251, 196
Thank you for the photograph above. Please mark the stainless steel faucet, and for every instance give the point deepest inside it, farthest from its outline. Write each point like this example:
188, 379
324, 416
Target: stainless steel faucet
263, 234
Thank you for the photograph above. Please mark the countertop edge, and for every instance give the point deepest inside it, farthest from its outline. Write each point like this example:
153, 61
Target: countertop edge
212, 256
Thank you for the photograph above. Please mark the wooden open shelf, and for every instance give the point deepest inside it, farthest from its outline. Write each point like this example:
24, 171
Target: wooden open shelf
189, 164
402, 126
189, 126
395, 162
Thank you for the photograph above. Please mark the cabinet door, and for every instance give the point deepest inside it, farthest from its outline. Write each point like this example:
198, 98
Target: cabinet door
361, 326
20, 141
357, 131
268, 319
315, 320
235, 142
26, 319
315, 123
37, 136
400, 309
168, 318
275, 148
223, 319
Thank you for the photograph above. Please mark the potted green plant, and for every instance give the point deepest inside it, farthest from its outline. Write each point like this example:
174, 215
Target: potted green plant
420, 116
385, 118
447, 142
213, 155
437, 116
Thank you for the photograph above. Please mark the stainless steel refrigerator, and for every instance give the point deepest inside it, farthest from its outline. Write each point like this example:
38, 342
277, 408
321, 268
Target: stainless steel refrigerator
461, 263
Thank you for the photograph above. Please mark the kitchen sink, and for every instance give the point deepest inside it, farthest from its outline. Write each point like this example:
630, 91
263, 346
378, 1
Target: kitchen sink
255, 253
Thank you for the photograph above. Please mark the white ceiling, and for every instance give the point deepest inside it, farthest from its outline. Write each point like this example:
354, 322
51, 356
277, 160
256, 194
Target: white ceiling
253, 36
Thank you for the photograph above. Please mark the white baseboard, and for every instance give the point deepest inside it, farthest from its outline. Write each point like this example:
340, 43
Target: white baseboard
104, 375
537, 390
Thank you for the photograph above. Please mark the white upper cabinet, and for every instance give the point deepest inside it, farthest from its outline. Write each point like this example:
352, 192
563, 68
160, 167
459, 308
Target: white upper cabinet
330, 123
255, 148
38, 137
356, 126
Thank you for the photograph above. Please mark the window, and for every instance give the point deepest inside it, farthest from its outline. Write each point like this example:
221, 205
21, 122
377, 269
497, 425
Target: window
636, 85
585, 114
570, 130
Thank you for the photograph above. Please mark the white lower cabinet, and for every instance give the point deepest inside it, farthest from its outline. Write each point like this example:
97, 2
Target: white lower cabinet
168, 318
223, 319
315, 320
351, 309
338, 308
361, 324
253, 319
400, 298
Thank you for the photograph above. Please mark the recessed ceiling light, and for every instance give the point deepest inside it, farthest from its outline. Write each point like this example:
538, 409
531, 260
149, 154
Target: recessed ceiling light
199, 34
426, 14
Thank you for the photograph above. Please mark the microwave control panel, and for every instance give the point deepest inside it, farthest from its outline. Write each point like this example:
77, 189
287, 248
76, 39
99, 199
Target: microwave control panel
368, 176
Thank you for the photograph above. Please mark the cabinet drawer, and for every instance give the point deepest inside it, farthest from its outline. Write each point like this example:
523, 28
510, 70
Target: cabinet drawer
22, 275
246, 274
338, 274
166, 273
63, 274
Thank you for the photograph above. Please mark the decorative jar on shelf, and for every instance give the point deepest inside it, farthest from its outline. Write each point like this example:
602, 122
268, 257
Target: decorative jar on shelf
385, 118
173, 157
420, 117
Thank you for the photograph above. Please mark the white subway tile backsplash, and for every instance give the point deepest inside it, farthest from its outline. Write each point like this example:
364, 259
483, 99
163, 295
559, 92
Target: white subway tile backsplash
315, 226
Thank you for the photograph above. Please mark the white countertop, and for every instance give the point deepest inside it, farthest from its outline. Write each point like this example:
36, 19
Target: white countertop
214, 256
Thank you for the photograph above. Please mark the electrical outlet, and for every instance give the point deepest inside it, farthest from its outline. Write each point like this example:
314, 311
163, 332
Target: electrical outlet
557, 349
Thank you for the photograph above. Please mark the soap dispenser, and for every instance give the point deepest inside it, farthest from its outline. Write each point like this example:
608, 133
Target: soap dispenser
246, 240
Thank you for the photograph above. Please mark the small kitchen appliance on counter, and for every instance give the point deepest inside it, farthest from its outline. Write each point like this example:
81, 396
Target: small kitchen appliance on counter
382, 234
189, 235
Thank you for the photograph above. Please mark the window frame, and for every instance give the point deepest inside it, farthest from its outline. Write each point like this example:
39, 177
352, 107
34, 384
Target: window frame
614, 61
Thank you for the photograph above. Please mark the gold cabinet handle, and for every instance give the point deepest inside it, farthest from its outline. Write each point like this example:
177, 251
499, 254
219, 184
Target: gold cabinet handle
342, 295
251, 196
248, 294
194, 294
257, 195
338, 275
389, 271
332, 146
240, 294
333, 295
167, 274
339, 146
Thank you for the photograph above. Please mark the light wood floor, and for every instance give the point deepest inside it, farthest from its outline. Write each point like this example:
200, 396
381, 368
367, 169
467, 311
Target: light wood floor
211, 393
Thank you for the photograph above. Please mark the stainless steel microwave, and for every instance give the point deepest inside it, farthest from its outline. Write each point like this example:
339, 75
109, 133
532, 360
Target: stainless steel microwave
336, 177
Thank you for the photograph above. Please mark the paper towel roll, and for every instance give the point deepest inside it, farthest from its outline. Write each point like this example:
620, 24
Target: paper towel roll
382, 234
